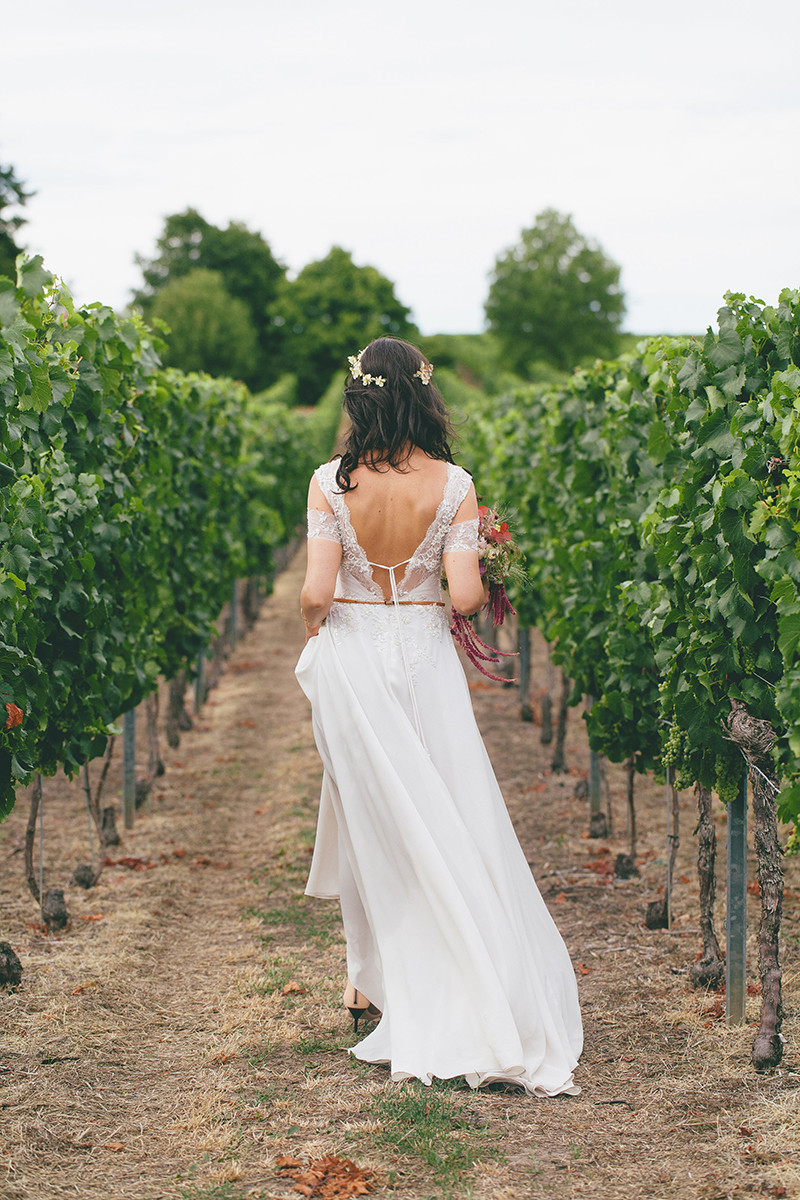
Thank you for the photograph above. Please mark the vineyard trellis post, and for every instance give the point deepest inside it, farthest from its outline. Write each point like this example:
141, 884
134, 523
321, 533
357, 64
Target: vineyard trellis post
234, 614
598, 822
524, 645
200, 682
673, 836
89, 818
41, 839
736, 902
129, 766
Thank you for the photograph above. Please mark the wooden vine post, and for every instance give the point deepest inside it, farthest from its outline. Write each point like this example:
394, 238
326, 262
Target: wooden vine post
709, 968
756, 739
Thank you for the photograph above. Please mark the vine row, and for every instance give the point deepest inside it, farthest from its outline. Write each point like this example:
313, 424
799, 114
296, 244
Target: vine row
658, 501
131, 499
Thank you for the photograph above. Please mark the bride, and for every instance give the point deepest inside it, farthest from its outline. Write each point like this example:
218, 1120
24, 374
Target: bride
450, 947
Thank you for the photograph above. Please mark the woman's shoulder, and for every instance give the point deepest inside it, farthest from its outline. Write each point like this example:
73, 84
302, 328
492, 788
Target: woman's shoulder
325, 474
328, 468
459, 481
459, 472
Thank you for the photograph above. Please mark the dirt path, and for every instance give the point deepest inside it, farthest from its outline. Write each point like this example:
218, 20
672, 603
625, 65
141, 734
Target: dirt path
185, 1032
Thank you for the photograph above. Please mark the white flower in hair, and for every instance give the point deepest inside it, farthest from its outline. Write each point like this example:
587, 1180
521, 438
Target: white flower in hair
355, 364
424, 373
357, 372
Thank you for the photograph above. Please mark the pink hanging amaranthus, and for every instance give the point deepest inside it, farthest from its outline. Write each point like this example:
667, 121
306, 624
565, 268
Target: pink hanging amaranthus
498, 555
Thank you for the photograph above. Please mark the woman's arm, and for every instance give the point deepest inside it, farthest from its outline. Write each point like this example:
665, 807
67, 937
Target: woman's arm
324, 559
468, 589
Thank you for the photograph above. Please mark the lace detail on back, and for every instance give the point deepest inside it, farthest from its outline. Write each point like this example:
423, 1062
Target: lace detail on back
426, 561
424, 569
463, 536
323, 525
354, 560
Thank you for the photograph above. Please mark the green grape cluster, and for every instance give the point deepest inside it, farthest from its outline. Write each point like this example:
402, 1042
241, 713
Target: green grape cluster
674, 748
748, 659
729, 769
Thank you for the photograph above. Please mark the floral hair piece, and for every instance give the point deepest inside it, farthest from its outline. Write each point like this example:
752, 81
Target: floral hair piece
357, 373
424, 373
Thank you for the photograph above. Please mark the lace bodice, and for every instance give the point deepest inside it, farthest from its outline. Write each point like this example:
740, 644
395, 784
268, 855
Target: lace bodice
423, 571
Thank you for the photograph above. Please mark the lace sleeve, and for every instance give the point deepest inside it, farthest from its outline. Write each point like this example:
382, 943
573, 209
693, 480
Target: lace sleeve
323, 525
463, 536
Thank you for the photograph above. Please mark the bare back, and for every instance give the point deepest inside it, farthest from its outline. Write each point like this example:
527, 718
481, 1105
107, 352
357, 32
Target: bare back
391, 510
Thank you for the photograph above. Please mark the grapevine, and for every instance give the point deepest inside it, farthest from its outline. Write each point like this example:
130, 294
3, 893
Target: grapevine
662, 501
132, 498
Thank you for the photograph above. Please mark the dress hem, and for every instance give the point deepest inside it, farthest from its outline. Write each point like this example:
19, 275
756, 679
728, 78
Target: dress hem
477, 1079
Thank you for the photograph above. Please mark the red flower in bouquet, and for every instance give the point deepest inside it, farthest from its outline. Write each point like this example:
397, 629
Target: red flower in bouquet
498, 556
490, 527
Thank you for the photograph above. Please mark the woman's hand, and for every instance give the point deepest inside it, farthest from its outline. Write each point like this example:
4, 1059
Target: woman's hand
311, 631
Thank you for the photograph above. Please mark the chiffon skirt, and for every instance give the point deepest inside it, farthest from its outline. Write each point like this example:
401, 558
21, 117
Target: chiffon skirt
446, 930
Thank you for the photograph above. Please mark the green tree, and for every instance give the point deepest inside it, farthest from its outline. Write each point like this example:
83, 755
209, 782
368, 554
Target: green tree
249, 271
12, 193
210, 330
332, 309
554, 298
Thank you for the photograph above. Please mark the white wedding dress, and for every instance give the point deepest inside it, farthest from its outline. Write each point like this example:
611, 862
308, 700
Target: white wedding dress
446, 930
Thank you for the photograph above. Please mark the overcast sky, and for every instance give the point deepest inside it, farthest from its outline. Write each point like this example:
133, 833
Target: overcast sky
422, 136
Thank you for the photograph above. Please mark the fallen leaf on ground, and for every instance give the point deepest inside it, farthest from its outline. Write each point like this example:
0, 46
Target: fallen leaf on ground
115, 1146
582, 969
131, 861
329, 1178
561, 898
601, 866
716, 1010
294, 988
90, 917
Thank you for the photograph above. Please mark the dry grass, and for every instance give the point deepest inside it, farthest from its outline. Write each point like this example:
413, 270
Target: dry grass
177, 1046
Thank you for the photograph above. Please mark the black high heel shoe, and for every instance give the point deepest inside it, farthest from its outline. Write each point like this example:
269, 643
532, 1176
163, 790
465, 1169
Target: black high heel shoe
356, 1010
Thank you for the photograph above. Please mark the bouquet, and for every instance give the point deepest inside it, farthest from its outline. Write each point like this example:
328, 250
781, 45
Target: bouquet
499, 559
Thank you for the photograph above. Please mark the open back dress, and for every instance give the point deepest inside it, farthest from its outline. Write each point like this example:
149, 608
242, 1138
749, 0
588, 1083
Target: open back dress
446, 930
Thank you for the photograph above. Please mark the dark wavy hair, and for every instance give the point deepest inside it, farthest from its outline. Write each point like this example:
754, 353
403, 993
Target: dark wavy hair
387, 423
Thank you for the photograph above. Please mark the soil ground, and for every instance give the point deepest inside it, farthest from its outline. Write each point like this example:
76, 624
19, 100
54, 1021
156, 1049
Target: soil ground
185, 1031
